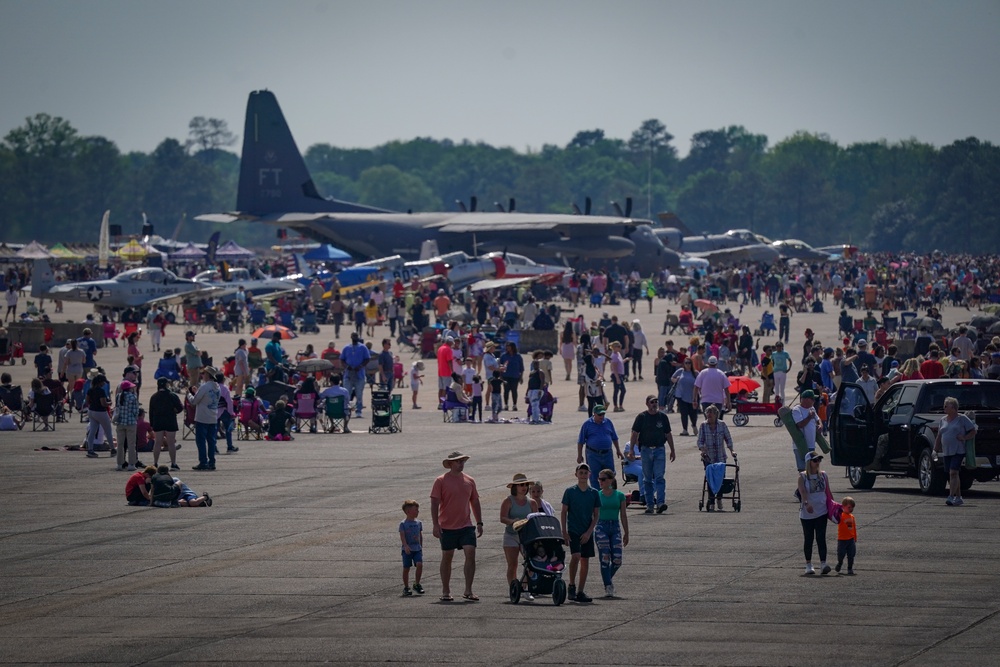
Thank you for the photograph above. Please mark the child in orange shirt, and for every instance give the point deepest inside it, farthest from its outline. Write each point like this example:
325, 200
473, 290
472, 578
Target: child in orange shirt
847, 536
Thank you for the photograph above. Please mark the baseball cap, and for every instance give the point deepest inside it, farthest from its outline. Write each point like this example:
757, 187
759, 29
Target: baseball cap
712, 361
808, 393
813, 456
600, 410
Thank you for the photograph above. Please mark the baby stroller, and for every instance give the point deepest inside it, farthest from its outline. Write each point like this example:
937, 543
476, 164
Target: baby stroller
9, 351
722, 485
544, 558
767, 326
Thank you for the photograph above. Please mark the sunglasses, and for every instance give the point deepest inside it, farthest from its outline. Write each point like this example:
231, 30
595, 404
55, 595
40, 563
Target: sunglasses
604, 479
652, 402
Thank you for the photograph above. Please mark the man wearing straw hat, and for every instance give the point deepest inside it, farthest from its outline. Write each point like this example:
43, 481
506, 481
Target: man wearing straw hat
452, 496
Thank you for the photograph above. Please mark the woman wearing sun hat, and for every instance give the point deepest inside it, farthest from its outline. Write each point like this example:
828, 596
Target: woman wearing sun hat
515, 507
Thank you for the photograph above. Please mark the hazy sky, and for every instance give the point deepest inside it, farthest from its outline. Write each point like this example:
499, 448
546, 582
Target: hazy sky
514, 73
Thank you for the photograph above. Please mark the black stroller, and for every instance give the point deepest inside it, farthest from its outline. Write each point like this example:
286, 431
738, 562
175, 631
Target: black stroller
544, 559
729, 486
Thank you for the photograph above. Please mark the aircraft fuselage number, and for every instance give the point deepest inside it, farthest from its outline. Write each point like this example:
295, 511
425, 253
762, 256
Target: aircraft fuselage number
269, 180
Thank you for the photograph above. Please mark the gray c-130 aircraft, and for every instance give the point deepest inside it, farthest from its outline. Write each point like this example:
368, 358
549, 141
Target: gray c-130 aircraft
275, 187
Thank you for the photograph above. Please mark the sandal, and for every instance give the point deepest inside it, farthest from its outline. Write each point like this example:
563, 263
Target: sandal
447, 598
472, 597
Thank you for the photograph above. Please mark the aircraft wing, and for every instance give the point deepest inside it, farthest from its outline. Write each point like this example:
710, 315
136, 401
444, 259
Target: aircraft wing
500, 283
750, 253
513, 222
177, 299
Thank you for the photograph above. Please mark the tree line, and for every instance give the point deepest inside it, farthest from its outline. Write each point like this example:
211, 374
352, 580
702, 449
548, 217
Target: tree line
55, 184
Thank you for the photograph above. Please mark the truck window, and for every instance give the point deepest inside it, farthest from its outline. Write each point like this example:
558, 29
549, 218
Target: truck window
976, 396
907, 399
889, 402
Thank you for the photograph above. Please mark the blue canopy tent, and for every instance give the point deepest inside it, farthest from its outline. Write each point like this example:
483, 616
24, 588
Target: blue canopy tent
327, 253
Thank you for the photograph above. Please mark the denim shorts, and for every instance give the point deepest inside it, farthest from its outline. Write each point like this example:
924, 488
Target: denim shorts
953, 462
413, 557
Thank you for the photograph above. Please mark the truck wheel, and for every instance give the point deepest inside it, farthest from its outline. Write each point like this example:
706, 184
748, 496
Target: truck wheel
859, 478
930, 476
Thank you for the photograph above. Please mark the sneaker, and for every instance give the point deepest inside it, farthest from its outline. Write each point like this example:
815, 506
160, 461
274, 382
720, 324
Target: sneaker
211, 466
958, 501
131, 468
417, 588
649, 510
684, 432
850, 572
711, 507
661, 509
583, 597
200, 467
208, 499
407, 592
233, 450
312, 429
123, 466
809, 569
839, 565
582, 408
140, 464
571, 593
529, 597
950, 501
92, 455
609, 591
826, 569
114, 450
174, 466
347, 430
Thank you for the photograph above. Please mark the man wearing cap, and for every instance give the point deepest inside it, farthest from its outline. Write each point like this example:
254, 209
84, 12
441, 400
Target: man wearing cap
453, 495
206, 418
126, 417
192, 356
598, 435
651, 431
355, 357
866, 358
807, 420
711, 387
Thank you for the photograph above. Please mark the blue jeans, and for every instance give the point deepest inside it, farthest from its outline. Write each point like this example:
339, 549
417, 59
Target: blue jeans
534, 399
205, 437
635, 468
355, 382
618, 397
608, 540
597, 463
228, 424
654, 465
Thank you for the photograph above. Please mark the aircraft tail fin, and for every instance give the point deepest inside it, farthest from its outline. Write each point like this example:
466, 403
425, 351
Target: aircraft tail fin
273, 175
428, 249
296, 264
42, 279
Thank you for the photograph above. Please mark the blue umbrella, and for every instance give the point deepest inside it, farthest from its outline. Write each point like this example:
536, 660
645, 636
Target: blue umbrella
327, 253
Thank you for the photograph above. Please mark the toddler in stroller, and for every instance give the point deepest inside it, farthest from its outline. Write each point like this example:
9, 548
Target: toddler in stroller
544, 558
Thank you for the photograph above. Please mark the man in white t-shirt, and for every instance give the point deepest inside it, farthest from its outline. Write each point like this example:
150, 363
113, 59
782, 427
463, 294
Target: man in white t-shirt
711, 387
807, 420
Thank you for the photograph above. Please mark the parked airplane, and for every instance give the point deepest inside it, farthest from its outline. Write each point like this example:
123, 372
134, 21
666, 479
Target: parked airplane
135, 287
736, 245
275, 187
227, 282
795, 249
458, 267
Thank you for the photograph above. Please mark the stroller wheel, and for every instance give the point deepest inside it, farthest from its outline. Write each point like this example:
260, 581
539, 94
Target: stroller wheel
701, 506
736, 506
558, 592
515, 591
740, 419
777, 422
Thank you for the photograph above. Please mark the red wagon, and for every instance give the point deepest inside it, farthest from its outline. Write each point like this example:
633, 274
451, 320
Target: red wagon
741, 416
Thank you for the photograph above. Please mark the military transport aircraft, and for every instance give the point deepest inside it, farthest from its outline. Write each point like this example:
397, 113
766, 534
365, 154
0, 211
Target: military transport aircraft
135, 287
275, 187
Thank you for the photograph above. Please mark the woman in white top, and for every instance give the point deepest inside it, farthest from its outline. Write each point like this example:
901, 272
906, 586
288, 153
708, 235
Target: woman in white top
638, 345
812, 512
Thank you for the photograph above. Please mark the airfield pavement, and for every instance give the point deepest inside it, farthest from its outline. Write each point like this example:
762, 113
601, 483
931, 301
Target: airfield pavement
299, 560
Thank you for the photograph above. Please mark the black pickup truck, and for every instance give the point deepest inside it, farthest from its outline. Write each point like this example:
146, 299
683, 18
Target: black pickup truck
900, 429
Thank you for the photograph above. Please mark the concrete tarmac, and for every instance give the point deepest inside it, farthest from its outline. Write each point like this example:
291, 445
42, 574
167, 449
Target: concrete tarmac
299, 560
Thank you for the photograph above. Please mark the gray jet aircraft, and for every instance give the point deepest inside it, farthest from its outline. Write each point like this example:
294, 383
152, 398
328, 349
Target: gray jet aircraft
132, 288
275, 187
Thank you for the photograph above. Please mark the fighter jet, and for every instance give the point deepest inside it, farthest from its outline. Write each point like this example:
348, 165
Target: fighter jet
795, 249
736, 245
132, 288
275, 187
458, 267
227, 282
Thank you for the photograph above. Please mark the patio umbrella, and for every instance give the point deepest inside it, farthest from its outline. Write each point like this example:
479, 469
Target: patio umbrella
314, 366
928, 323
706, 306
994, 329
983, 321
738, 383
271, 329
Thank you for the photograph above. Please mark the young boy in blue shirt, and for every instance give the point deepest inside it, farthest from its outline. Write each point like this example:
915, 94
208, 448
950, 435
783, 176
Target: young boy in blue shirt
412, 537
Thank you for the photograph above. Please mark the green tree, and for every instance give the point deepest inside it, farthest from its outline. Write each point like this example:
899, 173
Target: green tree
209, 133
390, 188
